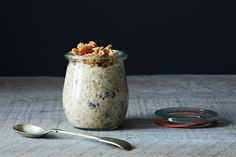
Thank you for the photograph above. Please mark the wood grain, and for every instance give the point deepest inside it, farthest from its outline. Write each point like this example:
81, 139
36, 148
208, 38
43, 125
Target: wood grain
37, 100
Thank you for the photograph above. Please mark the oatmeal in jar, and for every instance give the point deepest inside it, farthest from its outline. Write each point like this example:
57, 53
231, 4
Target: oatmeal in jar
95, 94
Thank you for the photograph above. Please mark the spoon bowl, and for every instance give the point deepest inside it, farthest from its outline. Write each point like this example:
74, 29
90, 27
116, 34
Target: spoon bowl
33, 131
28, 130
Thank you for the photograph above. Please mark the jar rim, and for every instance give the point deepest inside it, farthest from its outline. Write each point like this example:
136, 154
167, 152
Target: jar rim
119, 55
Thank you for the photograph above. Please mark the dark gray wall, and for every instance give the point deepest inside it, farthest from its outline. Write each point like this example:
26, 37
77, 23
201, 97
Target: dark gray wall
160, 37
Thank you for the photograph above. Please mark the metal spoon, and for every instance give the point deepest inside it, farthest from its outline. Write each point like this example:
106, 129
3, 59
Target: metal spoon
28, 130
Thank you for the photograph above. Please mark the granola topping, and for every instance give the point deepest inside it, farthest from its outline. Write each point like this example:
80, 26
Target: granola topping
91, 49
95, 55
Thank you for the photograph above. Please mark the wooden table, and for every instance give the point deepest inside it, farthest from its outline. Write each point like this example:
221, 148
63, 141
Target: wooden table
37, 100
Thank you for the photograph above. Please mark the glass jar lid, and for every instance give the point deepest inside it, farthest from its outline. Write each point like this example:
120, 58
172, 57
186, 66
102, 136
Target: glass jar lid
185, 117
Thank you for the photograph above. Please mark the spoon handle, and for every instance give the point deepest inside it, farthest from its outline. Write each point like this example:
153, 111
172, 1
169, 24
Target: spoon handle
75, 134
108, 140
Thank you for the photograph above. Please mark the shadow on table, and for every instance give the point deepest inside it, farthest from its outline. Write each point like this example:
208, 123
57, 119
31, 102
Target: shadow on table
150, 123
138, 124
56, 136
222, 122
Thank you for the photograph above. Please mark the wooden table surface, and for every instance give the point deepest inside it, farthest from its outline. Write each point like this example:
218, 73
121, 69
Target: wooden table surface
37, 100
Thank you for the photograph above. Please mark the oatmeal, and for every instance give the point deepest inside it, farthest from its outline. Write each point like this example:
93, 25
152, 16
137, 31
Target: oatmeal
95, 94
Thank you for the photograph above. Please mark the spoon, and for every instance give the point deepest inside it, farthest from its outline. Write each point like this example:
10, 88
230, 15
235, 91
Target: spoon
28, 130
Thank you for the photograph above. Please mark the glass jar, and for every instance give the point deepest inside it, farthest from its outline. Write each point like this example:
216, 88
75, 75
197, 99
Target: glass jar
95, 94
